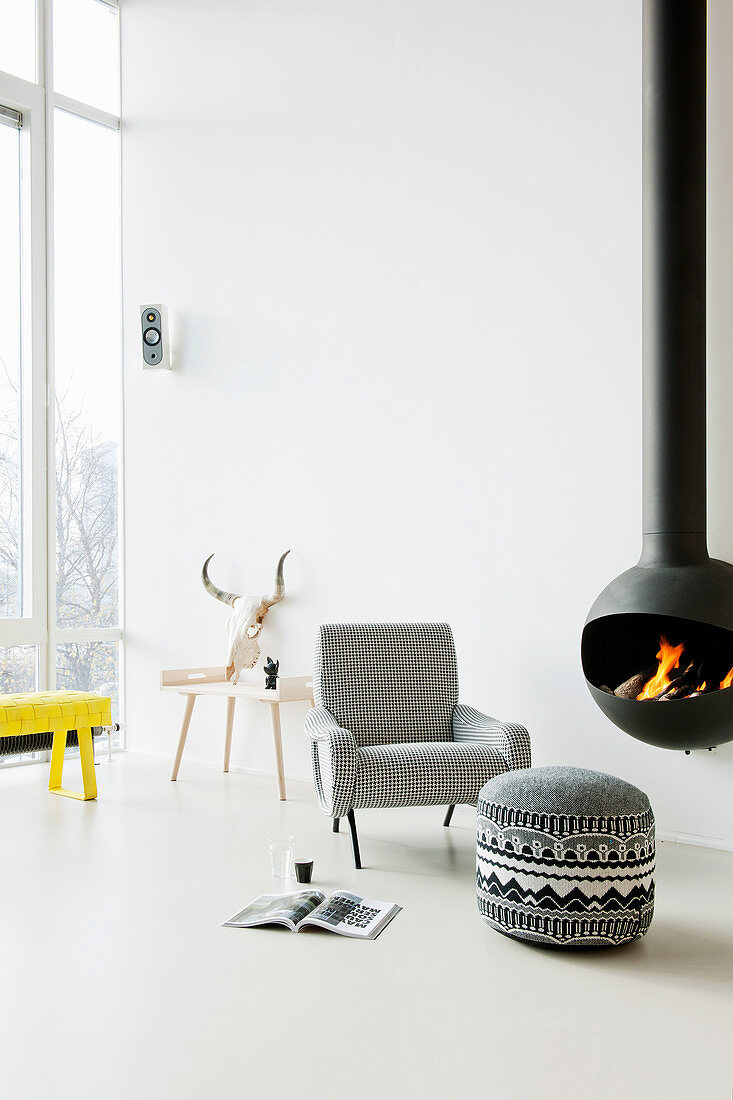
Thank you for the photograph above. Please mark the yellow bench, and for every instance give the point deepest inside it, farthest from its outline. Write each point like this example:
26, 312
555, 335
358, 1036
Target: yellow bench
59, 713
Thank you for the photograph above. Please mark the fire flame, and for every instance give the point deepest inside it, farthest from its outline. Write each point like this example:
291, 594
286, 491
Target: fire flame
669, 658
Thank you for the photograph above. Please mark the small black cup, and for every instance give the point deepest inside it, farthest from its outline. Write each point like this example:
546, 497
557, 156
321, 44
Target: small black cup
303, 870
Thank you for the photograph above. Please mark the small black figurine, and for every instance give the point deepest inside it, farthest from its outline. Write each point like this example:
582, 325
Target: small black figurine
271, 670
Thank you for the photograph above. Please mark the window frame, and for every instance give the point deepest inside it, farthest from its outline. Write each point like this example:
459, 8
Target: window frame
30, 629
37, 103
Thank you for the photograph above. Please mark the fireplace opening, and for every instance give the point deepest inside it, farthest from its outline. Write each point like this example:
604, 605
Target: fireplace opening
657, 658
664, 679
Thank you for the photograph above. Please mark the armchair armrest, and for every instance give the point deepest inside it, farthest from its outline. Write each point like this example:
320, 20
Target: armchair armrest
335, 756
508, 738
320, 724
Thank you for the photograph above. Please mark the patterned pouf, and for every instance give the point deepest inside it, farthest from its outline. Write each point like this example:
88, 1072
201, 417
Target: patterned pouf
565, 857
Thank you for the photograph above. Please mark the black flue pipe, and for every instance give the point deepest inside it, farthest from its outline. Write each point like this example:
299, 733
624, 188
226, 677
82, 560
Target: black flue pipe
674, 268
676, 588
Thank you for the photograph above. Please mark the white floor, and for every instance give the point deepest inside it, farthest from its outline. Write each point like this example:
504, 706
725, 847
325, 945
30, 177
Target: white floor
118, 980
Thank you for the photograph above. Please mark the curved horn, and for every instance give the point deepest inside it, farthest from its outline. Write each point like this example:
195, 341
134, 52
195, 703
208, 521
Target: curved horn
217, 593
279, 590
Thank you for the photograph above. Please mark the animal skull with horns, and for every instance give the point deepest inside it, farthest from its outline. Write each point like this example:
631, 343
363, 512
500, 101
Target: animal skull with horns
245, 622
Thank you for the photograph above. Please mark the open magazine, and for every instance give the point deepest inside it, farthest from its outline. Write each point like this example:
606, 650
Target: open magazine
344, 913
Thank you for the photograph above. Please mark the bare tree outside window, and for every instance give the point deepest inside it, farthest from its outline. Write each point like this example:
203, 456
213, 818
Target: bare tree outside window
18, 668
86, 522
9, 494
87, 575
11, 596
87, 581
18, 664
89, 666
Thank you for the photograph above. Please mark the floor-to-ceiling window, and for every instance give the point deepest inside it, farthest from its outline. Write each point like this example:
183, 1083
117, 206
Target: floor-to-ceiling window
60, 346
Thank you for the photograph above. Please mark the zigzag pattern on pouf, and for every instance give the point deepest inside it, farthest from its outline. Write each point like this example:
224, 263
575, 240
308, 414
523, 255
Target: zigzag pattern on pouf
551, 876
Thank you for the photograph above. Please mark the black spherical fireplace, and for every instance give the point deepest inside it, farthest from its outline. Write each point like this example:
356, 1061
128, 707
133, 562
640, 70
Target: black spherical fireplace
634, 641
657, 647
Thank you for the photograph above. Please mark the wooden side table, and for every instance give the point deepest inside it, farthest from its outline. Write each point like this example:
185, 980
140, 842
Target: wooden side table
193, 682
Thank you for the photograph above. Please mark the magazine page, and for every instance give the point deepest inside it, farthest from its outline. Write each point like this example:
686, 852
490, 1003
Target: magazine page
287, 909
351, 915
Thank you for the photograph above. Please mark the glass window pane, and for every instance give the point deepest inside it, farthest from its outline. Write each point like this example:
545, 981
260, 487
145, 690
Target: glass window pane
18, 38
86, 55
87, 369
18, 668
10, 377
90, 666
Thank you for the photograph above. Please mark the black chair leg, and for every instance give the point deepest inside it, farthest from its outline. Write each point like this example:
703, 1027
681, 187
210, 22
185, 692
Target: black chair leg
336, 824
354, 839
448, 816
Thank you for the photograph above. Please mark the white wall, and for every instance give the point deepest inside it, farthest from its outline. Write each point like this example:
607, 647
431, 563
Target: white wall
403, 241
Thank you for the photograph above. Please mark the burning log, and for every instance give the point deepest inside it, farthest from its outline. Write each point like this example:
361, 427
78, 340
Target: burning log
669, 659
666, 681
681, 692
678, 684
635, 684
680, 687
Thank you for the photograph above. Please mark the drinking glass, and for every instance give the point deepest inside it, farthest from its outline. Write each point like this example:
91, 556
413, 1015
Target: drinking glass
281, 856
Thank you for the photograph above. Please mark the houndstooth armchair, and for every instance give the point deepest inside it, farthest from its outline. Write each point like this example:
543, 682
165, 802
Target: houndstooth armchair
387, 728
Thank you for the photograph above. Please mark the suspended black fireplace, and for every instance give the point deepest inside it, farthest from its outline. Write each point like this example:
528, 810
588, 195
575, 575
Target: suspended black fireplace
657, 647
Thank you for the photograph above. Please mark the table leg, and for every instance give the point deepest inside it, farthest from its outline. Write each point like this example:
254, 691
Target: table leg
228, 738
278, 743
190, 700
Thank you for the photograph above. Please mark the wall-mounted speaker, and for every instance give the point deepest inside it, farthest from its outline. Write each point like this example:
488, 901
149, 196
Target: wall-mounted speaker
155, 337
